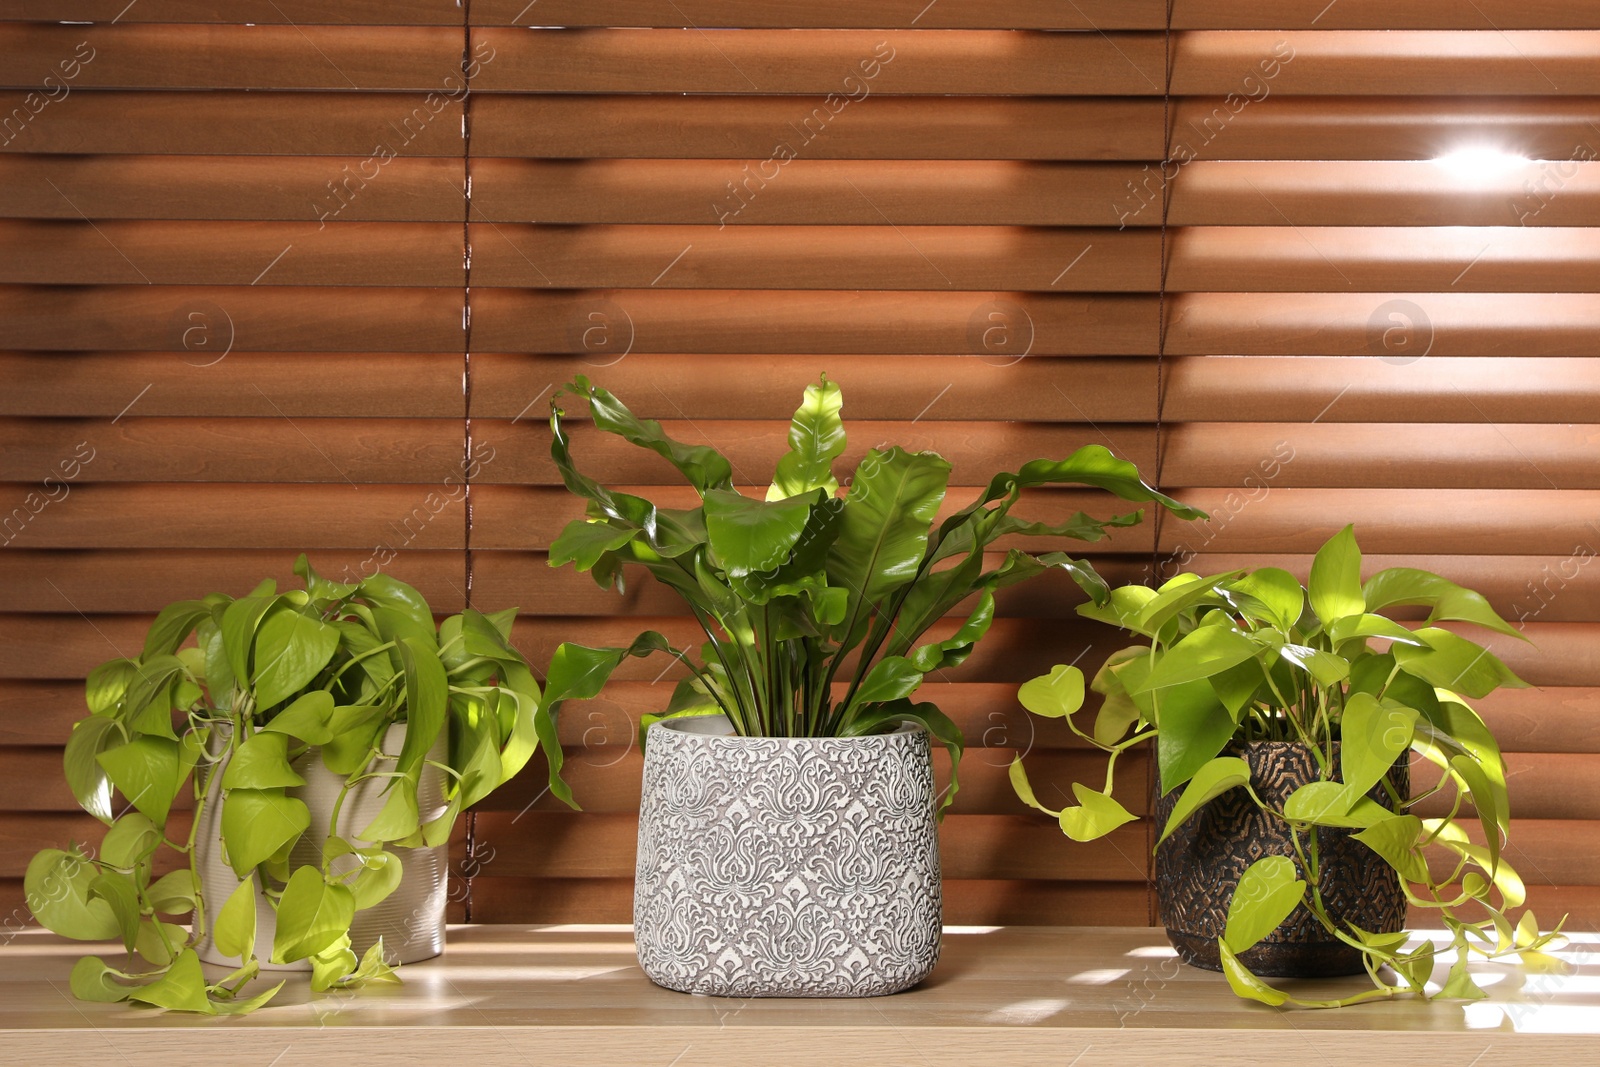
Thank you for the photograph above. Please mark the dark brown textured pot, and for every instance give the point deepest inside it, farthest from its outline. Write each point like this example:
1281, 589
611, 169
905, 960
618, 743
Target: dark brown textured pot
1198, 868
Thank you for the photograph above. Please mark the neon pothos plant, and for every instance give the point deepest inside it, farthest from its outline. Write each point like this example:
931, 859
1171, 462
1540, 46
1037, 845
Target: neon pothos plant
269, 676
815, 601
1255, 656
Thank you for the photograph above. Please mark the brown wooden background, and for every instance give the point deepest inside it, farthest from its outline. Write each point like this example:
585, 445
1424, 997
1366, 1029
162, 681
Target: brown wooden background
1330, 329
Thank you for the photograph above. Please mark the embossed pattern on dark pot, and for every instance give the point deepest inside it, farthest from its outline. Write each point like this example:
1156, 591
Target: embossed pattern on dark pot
786, 867
1198, 868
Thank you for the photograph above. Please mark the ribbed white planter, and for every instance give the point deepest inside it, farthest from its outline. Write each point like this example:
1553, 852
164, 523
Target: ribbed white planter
410, 920
786, 867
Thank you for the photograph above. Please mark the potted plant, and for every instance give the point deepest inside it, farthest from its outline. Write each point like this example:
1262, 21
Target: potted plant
330, 736
787, 837
1283, 719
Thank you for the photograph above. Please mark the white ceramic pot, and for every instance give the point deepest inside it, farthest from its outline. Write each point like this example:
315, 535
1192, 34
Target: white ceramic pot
410, 920
786, 867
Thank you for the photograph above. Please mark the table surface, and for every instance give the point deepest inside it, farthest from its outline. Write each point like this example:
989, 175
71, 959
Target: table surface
521, 995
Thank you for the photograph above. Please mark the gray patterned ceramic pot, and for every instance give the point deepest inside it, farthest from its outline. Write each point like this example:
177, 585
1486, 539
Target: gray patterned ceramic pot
1198, 868
410, 920
786, 867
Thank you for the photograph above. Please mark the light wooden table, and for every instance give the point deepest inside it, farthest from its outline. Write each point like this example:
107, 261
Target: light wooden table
572, 995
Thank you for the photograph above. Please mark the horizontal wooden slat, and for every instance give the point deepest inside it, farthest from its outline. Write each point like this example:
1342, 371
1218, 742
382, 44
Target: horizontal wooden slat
853, 65
1382, 14
1360, 324
966, 901
195, 381
202, 323
757, 128
1378, 128
1548, 522
696, 386
133, 56
277, 450
828, 14
287, 188
309, 253
1397, 62
1552, 192
1263, 456
1509, 389
429, 451
291, 518
1477, 259
105, 582
839, 192
265, 12
880, 257
553, 845
1000, 327
369, 126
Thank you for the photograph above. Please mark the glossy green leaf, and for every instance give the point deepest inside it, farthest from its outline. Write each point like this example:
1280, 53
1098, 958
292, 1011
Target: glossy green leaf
1331, 804
233, 929
702, 466
1056, 695
1446, 600
585, 542
890, 678
308, 718
239, 622
1275, 596
1335, 584
1245, 984
261, 762
174, 893
173, 625
87, 779
391, 594
148, 772
380, 876
816, 439
120, 893
1024, 789
158, 943
1485, 798
331, 965
1177, 596
257, 823
1095, 816
1352, 627
290, 650
1372, 737
883, 531
1209, 782
129, 840
753, 536
1268, 893
1207, 651
182, 988
108, 683
56, 888
97, 983
1396, 839
399, 818
427, 702
1454, 663
1194, 726
1325, 668
312, 915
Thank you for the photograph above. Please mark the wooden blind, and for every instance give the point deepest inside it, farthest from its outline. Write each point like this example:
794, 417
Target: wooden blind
1380, 311
1219, 246
232, 327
